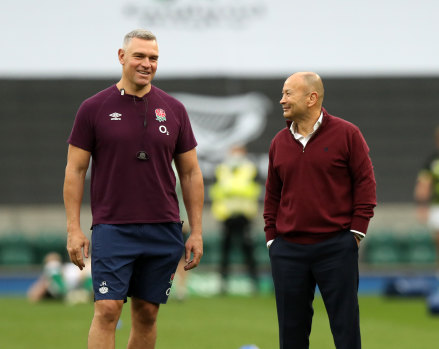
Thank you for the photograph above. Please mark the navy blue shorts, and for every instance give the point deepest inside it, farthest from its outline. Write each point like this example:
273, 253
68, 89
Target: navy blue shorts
135, 260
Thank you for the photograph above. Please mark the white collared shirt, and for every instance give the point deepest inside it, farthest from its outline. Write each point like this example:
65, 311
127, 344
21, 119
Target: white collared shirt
304, 139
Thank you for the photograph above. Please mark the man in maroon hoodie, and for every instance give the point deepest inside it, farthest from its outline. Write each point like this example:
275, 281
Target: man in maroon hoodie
320, 196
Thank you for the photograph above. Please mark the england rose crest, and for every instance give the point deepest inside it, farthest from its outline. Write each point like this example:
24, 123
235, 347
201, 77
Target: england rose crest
160, 115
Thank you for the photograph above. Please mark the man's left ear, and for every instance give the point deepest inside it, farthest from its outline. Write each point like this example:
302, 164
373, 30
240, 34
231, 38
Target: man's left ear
313, 98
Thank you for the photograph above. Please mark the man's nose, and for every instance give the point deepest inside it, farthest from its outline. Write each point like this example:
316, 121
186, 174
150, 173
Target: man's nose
146, 62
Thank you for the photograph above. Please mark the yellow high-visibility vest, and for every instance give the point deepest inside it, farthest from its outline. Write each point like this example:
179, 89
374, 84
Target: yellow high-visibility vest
235, 191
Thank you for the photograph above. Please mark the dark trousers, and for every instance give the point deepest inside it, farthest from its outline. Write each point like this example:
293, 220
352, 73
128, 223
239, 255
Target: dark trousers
333, 266
238, 228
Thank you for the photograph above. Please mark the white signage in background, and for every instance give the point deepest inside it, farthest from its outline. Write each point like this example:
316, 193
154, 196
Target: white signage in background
233, 38
221, 122
196, 14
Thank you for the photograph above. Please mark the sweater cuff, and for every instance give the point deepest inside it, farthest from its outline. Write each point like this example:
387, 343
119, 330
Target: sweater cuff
359, 224
270, 234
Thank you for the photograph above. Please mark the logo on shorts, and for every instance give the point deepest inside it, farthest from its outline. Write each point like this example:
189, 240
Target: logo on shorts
160, 115
103, 287
171, 280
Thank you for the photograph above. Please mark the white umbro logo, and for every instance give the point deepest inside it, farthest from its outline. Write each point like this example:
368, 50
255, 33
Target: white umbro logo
103, 287
115, 116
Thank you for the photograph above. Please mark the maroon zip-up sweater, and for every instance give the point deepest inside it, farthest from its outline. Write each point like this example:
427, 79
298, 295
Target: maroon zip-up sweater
314, 192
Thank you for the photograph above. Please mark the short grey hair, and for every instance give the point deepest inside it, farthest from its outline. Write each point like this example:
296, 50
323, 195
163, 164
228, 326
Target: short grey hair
140, 34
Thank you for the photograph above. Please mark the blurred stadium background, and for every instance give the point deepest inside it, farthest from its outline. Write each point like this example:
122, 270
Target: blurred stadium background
227, 61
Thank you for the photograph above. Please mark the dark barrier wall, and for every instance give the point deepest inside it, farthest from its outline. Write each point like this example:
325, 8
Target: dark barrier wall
396, 115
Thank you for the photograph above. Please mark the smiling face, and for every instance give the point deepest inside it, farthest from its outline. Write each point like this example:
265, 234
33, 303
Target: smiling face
295, 98
302, 96
139, 64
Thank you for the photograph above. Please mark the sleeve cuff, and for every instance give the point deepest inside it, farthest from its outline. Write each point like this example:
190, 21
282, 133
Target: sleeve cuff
270, 234
359, 224
358, 234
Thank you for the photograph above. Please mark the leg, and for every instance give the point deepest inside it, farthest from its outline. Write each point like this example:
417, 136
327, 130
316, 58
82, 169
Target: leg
336, 272
144, 326
152, 279
181, 280
225, 252
38, 290
248, 249
103, 326
294, 288
181, 273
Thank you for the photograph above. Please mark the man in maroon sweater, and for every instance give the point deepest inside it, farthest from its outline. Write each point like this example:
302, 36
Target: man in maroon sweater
320, 196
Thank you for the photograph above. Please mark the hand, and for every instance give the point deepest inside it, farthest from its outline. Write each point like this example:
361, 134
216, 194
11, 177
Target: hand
357, 239
194, 246
77, 246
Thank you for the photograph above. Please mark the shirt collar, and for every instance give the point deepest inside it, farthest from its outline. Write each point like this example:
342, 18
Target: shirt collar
316, 126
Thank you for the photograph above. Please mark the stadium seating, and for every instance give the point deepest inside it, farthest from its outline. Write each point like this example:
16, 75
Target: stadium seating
212, 249
413, 247
15, 250
49, 241
383, 248
420, 247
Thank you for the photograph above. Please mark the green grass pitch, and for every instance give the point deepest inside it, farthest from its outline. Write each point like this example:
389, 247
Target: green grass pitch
216, 323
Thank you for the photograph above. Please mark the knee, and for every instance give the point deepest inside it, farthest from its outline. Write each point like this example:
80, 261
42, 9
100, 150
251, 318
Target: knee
145, 313
108, 310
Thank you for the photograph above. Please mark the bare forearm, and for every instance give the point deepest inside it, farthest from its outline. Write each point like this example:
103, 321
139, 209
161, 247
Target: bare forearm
193, 195
77, 165
73, 193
